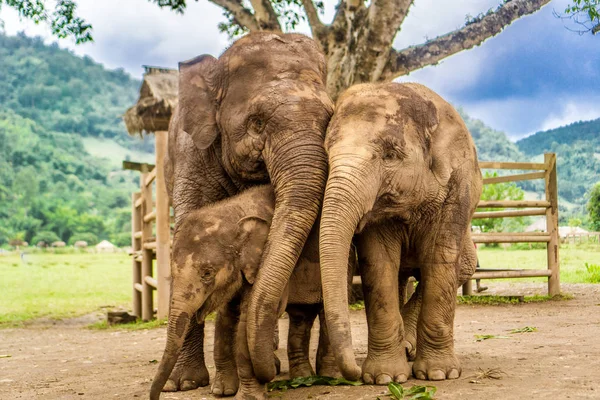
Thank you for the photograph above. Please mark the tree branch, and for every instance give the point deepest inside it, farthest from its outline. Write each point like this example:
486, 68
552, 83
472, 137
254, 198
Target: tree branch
476, 32
384, 20
241, 14
265, 15
316, 26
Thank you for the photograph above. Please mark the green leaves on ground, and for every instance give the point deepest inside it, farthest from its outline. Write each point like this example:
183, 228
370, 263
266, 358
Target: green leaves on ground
309, 381
481, 338
524, 330
413, 393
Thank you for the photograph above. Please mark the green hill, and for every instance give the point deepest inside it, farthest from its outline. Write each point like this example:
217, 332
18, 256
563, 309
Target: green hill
577, 147
61, 143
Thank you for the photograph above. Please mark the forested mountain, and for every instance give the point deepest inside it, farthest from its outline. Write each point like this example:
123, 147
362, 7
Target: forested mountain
584, 132
51, 188
577, 147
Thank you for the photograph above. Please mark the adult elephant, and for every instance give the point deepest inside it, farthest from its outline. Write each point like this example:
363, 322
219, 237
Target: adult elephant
404, 178
258, 113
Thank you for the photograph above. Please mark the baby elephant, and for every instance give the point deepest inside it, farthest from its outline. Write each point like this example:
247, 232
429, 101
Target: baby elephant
215, 262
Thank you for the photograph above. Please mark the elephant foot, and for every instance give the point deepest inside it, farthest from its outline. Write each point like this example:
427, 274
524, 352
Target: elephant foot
437, 369
226, 382
187, 376
251, 391
300, 368
329, 369
376, 371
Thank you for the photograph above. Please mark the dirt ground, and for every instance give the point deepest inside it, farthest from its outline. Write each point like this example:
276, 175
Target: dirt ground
561, 360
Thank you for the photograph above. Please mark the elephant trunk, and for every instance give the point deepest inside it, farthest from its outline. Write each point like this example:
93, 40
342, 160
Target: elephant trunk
347, 198
180, 314
297, 165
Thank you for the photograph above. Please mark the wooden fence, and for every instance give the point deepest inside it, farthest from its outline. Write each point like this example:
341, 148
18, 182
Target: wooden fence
149, 244
521, 208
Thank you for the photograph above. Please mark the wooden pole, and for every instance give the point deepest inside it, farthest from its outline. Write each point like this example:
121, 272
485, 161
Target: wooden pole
552, 224
135, 246
163, 248
147, 256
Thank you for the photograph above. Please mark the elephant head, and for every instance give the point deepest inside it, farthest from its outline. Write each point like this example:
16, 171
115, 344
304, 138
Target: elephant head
216, 250
392, 152
263, 107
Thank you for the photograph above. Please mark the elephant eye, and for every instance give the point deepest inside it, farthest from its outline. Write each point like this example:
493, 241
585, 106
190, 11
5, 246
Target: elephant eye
207, 275
391, 149
255, 125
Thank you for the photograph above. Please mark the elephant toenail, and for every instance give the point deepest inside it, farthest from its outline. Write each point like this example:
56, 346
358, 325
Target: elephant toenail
170, 386
368, 379
229, 392
400, 378
216, 391
189, 385
437, 375
454, 374
420, 375
383, 379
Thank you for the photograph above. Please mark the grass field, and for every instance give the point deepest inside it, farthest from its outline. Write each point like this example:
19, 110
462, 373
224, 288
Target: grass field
572, 261
68, 285
62, 285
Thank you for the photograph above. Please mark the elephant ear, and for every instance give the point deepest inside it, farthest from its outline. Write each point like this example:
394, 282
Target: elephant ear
250, 242
197, 100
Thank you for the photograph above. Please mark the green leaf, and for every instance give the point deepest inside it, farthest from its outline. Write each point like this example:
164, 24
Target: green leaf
396, 390
310, 381
524, 330
486, 337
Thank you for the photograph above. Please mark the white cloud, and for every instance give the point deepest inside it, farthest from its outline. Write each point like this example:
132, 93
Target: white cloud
572, 111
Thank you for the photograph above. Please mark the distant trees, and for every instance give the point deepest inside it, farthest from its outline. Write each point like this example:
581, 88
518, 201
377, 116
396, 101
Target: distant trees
593, 207
501, 191
48, 182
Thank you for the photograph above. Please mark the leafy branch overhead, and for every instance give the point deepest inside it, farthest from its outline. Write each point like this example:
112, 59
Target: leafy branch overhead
62, 19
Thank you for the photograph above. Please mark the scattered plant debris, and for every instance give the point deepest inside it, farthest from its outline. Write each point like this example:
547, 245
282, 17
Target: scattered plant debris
524, 330
486, 337
493, 373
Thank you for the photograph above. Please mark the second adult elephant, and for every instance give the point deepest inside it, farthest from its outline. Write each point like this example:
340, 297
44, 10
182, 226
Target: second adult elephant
258, 113
404, 177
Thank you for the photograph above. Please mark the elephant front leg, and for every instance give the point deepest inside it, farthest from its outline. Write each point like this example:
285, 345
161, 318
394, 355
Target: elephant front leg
379, 258
302, 317
226, 375
190, 371
435, 358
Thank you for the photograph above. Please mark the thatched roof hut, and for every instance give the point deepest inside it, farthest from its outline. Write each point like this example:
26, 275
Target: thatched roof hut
158, 97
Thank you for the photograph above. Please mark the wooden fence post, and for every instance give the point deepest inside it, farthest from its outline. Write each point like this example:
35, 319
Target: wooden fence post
163, 248
147, 256
136, 245
552, 224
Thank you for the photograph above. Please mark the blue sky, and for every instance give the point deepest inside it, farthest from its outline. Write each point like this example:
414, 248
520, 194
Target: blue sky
535, 75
